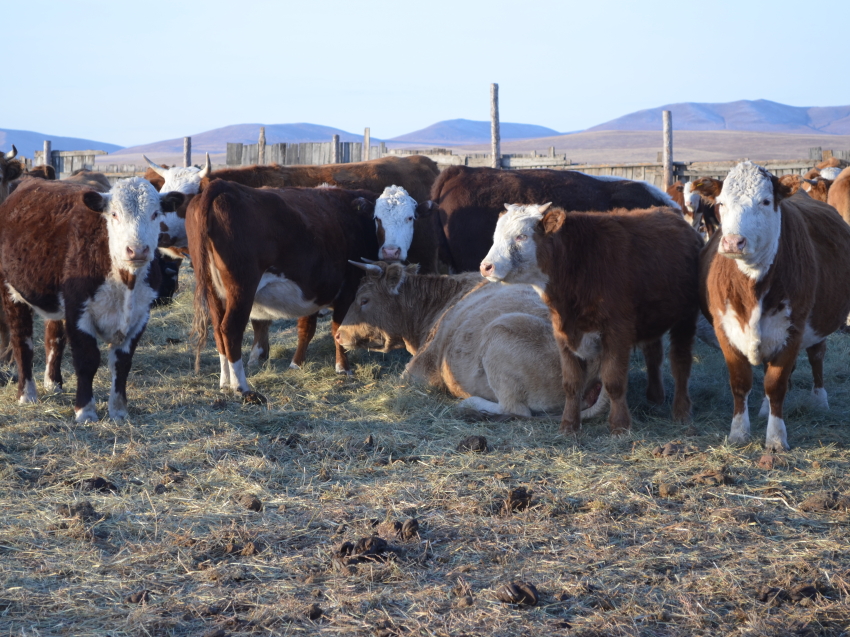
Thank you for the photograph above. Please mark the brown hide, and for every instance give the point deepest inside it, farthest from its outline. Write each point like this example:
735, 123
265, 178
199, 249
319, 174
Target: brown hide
839, 194
470, 200
42, 172
152, 176
94, 180
677, 193
304, 234
10, 170
630, 276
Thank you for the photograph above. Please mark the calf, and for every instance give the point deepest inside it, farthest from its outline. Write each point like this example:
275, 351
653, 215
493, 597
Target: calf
489, 344
275, 253
67, 252
611, 280
775, 279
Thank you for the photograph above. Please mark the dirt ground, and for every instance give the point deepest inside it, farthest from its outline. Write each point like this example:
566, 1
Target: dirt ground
202, 516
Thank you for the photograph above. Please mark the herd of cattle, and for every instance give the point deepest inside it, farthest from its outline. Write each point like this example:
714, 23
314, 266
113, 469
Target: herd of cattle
555, 276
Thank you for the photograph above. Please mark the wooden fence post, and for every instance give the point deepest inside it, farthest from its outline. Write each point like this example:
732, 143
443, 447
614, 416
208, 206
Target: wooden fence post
187, 152
261, 146
383, 149
667, 168
494, 126
367, 144
335, 149
48, 160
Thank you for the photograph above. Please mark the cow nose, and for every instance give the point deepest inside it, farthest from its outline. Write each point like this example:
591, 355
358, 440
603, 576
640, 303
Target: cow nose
486, 269
137, 253
338, 337
733, 243
391, 253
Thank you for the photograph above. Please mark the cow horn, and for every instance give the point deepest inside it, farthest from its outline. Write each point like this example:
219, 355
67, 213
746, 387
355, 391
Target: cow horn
11, 154
207, 169
365, 260
159, 170
544, 207
367, 267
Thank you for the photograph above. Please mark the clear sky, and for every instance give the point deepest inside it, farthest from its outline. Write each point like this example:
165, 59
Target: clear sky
132, 72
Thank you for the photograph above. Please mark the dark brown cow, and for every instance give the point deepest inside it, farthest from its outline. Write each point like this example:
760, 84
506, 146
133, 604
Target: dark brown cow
67, 252
839, 194
775, 280
611, 281
94, 180
10, 170
275, 253
469, 201
42, 172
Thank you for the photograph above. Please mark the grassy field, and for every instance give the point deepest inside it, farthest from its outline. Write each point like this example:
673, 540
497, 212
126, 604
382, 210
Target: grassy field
617, 539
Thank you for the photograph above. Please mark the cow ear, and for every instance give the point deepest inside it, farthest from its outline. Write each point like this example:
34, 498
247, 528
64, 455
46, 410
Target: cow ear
552, 221
395, 276
171, 201
793, 182
781, 190
363, 205
424, 209
13, 170
413, 268
95, 200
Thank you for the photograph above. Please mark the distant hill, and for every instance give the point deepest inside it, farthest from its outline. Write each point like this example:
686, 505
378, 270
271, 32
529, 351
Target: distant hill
464, 131
758, 116
27, 142
215, 141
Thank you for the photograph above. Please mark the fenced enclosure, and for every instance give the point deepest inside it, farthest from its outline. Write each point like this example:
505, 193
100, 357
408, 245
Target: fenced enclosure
309, 153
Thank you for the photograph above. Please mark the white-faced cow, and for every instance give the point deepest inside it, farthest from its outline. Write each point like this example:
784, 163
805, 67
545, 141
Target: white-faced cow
395, 214
775, 280
67, 252
489, 344
269, 253
611, 281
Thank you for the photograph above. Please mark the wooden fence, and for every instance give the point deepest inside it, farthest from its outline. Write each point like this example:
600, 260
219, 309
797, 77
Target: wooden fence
66, 162
310, 153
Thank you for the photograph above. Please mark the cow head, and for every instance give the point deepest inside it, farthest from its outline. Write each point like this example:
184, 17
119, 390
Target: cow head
173, 224
751, 218
692, 202
132, 209
9, 170
395, 212
376, 318
513, 256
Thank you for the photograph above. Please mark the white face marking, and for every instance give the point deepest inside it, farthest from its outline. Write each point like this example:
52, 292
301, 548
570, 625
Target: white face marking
185, 180
132, 213
175, 228
279, 298
740, 431
777, 436
514, 253
691, 197
762, 335
396, 211
748, 211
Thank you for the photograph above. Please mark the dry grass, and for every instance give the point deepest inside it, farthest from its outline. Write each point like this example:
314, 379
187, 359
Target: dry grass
608, 554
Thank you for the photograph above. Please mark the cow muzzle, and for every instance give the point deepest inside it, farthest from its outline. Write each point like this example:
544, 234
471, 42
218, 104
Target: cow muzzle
390, 253
733, 245
138, 255
488, 270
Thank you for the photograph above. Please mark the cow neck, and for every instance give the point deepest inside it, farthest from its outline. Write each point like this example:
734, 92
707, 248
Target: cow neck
427, 299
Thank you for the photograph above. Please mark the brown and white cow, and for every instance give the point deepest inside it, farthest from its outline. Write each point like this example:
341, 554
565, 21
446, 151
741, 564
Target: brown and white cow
67, 252
489, 344
839, 194
774, 280
700, 204
611, 281
275, 253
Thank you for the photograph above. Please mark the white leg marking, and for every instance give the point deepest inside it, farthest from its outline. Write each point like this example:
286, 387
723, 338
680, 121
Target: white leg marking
341, 370
480, 406
49, 386
254, 358
117, 403
86, 414
224, 382
599, 407
764, 411
294, 366
30, 394
740, 431
819, 398
777, 437
238, 382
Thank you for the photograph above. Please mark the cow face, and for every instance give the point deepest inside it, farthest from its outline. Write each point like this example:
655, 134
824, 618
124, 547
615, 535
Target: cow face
132, 209
692, 202
395, 211
375, 319
751, 219
9, 170
513, 256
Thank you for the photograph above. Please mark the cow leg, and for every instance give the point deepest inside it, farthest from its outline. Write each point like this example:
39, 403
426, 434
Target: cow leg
306, 331
775, 387
816, 355
741, 383
260, 349
170, 268
653, 356
19, 317
86, 357
5, 342
120, 361
233, 326
572, 372
615, 378
342, 365
681, 359
54, 347
216, 310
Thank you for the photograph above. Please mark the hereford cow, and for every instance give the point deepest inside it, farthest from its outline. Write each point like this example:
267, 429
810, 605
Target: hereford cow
700, 202
94, 180
611, 280
839, 194
489, 344
468, 202
774, 280
275, 253
70, 253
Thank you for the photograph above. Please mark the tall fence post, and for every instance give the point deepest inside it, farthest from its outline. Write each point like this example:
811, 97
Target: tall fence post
667, 159
335, 149
367, 144
48, 160
187, 152
494, 126
261, 146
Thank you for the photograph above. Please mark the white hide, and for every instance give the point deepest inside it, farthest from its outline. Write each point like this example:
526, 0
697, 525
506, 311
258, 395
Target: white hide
280, 298
86, 414
514, 253
762, 335
748, 210
117, 403
655, 191
777, 436
186, 181
830, 172
396, 211
739, 433
30, 393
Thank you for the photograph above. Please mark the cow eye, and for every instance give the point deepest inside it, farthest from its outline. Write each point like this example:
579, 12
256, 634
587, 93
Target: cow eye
115, 216
363, 302
521, 237
766, 202
410, 218
155, 215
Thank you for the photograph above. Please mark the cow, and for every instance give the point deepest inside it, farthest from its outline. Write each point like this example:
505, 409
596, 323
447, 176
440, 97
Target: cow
773, 281
274, 253
10, 169
700, 203
68, 252
611, 280
467, 202
839, 194
94, 180
489, 344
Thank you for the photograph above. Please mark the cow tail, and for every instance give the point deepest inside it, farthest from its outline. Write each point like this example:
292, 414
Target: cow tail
199, 210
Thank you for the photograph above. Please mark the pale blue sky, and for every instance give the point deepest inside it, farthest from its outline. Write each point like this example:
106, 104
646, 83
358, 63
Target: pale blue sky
136, 72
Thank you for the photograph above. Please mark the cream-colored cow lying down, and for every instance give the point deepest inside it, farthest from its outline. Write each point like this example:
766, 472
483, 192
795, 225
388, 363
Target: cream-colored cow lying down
488, 343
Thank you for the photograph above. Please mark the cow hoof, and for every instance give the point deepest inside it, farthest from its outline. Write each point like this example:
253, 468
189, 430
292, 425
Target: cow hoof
819, 398
253, 398
118, 414
738, 439
52, 388
340, 369
776, 446
294, 366
87, 414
